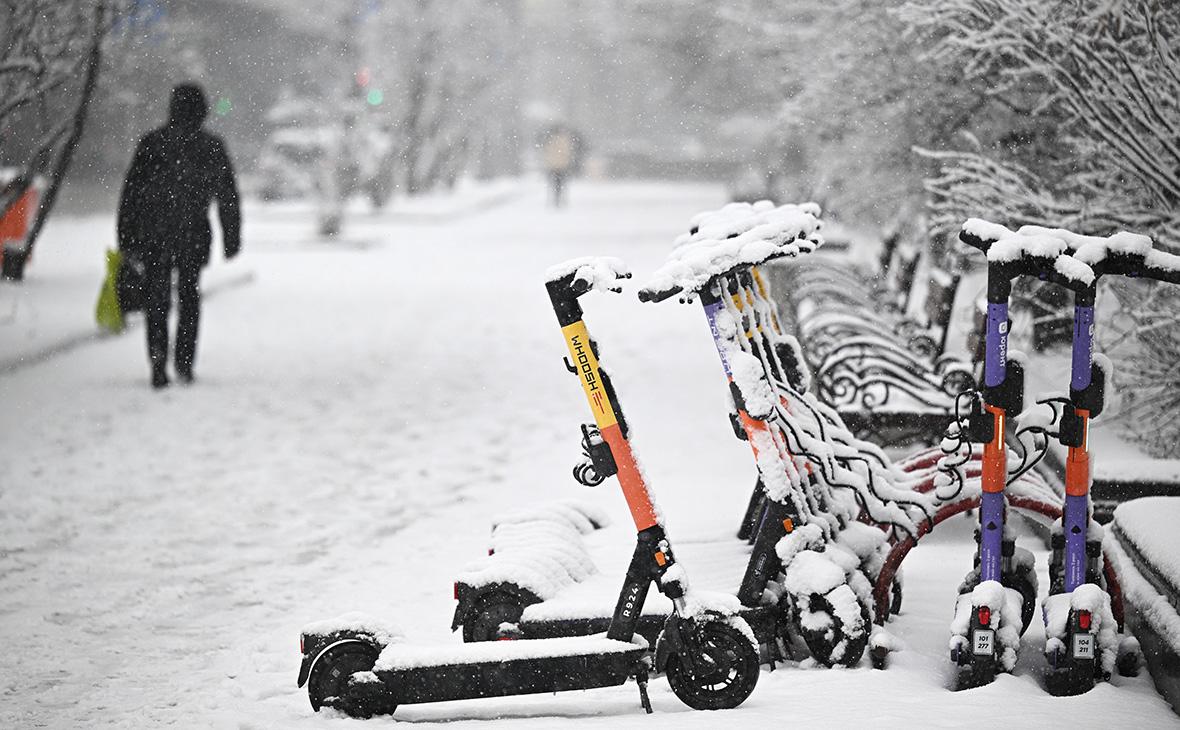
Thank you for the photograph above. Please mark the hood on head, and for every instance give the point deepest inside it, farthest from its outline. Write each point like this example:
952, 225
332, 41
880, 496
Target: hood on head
188, 107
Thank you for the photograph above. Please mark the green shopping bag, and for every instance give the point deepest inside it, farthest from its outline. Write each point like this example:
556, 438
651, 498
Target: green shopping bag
107, 313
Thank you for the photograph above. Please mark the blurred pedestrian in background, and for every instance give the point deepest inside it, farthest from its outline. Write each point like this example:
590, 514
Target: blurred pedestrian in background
177, 171
560, 153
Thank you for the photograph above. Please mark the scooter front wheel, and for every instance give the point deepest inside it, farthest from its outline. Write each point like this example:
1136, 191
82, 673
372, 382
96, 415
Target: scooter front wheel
831, 641
723, 672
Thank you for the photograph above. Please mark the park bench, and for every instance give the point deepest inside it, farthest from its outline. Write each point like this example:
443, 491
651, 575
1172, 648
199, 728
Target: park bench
1142, 544
881, 362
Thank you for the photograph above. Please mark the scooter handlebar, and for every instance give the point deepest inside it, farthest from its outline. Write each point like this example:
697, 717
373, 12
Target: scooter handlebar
571, 280
658, 295
1155, 265
1049, 268
975, 241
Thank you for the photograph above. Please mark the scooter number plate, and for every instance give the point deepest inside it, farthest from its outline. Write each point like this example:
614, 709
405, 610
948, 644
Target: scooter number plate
984, 641
1083, 646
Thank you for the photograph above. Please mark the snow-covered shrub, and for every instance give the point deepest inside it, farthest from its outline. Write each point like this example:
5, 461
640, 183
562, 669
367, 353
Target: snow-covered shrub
1140, 331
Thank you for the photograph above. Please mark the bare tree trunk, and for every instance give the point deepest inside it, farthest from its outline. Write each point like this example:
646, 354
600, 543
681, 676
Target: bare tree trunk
57, 175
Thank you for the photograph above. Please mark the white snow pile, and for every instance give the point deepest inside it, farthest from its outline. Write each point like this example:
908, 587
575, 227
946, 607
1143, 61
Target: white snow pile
733, 219
578, 514
882, 639
810, 577
1149, 526
383, 632
1092, 250
724, 242
870, 546
411, 656
706, 604
750, 377
1157, 259
1005, 605
1150, 606
811, 566
1087, 597
542, 554
601, 273
1145, 548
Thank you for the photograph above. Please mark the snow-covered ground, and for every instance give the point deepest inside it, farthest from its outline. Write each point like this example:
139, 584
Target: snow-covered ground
363, 407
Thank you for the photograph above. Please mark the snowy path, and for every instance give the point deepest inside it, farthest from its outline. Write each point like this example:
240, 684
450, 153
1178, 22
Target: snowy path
362, 409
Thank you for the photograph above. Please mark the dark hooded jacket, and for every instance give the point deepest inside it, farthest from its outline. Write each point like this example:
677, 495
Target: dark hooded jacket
177, 171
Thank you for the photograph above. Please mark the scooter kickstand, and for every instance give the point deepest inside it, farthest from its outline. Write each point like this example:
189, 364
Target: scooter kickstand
641, 680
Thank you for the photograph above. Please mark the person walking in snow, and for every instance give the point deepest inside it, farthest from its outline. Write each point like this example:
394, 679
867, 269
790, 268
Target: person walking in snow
177, 172
559, 151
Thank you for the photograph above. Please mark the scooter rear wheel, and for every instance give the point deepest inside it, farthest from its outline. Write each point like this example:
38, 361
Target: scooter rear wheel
328, 683
483, 621
726, 669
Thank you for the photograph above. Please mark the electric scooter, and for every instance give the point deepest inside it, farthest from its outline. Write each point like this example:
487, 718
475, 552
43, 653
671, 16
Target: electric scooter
1000, 594
710, 659
1081, 646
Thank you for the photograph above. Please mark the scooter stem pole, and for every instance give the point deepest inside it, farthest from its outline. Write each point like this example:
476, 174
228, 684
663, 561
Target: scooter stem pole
757, 431
1075, 516
995, 456
585, 362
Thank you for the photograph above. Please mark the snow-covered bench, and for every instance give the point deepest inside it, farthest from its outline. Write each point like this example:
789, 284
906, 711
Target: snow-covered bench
885, 372
889, 375
1144, 546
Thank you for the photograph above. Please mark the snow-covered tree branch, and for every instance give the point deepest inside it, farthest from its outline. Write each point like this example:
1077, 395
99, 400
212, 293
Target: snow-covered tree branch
50, 53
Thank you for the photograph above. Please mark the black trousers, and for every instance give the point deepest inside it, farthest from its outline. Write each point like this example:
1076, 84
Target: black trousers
557, 181
159, 302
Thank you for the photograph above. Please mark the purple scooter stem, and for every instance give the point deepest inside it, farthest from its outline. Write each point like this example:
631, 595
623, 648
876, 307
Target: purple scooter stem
995, 361
995, 461
1075, 517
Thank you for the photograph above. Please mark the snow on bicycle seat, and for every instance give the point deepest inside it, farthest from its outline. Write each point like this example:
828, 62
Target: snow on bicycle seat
730, 238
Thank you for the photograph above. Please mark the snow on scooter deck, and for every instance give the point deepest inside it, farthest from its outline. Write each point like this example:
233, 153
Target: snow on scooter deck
411, 674
402, 656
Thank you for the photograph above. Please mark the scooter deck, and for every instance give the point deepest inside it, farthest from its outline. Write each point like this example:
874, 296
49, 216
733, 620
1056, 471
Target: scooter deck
410, 674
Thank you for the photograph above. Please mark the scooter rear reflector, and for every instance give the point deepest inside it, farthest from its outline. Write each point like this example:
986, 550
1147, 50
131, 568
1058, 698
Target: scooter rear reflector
1084, 620
985, 616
